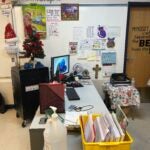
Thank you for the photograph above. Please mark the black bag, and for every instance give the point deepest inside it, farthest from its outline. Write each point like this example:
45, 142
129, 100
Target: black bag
2, 104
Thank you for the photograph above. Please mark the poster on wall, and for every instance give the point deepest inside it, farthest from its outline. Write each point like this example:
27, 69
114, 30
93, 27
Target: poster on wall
73, 47
110, 42
101, 31
35, 16
92, 56
85, 50
53, 18
99, 44
113, 32
85, 44
53, 29
69, 12
53, 14
108, 58
90, 32
108, 35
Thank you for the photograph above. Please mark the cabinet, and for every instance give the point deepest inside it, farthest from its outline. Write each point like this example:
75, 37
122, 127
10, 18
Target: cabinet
25, 84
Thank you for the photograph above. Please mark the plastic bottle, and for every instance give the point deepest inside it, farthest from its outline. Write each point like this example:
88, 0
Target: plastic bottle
55, 133
133, 82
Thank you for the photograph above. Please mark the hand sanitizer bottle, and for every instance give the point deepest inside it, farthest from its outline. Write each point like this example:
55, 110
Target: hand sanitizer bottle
55, 133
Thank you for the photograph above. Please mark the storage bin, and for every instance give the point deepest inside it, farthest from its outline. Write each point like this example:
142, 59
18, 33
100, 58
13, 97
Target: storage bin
123, 145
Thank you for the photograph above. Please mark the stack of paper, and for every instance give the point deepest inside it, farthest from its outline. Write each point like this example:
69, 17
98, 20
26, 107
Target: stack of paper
72, 117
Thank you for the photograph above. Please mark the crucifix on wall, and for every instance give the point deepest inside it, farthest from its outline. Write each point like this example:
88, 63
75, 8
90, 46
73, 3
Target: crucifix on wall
96, 69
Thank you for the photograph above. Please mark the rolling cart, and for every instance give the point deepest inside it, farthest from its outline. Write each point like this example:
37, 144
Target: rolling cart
25, 84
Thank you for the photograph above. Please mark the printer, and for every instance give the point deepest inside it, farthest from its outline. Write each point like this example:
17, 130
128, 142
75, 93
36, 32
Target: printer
119, 79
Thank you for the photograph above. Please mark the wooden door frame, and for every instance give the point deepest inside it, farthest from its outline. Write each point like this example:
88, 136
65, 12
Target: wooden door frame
130, 6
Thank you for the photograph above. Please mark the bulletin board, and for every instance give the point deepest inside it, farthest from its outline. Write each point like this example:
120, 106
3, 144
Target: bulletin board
85, 38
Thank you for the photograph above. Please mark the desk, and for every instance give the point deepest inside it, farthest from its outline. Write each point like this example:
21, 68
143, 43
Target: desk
88, 96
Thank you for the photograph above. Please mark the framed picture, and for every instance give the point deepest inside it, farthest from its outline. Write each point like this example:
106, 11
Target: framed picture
69, 12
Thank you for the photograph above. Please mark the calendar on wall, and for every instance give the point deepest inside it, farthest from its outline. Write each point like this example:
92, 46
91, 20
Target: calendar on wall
108, 58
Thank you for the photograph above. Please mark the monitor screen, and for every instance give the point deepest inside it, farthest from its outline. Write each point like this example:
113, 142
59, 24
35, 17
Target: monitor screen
61, 64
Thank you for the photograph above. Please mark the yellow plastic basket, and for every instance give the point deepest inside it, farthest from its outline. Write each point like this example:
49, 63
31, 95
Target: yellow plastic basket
123, 145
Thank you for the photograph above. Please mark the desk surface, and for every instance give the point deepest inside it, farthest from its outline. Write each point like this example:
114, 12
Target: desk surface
88, 96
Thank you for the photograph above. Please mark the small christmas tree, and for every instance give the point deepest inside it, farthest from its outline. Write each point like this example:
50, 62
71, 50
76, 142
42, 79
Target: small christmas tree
32, 44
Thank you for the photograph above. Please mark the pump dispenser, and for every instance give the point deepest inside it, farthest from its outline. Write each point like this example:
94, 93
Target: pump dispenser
55, 133
54, 115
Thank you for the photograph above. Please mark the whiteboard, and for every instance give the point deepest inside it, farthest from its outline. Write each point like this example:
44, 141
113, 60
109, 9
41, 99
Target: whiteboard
94, 15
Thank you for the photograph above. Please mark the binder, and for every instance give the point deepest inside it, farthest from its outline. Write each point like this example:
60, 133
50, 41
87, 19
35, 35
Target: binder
51, 95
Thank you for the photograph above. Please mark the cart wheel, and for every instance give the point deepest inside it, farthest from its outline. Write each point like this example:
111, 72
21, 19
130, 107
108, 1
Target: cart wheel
24, 124
17, 115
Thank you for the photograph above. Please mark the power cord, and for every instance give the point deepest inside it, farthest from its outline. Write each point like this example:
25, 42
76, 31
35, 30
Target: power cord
79, 108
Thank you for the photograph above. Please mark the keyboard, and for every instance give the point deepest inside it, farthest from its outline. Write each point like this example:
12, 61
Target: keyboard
74, 84
72, 94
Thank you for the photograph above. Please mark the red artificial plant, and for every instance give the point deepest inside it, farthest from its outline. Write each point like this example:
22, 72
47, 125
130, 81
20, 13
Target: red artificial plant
32, 44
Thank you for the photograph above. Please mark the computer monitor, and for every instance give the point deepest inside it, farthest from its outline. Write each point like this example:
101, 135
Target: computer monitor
60, 65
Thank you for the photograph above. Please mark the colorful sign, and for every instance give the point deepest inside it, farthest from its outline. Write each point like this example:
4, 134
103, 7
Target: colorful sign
35, 16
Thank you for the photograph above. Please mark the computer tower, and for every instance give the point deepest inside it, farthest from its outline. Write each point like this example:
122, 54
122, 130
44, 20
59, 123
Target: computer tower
25, 84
